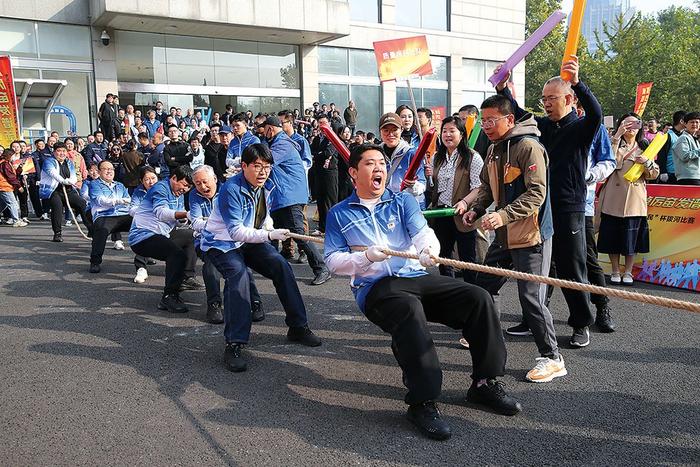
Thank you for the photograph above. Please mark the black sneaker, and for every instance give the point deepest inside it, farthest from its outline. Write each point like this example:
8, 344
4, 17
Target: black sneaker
304, 336
426, 417
580, 338
172, 303
301, 259
215, 314
323, 276
603, 319
233, 358
58, 238
190, 283
151, 261
494, 396
94, 268
257, 310
521, 329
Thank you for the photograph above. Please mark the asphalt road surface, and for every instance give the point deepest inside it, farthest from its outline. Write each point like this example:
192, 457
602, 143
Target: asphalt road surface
92, 374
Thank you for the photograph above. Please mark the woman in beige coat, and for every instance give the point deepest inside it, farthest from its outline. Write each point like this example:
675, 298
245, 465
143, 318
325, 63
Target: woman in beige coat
623, 204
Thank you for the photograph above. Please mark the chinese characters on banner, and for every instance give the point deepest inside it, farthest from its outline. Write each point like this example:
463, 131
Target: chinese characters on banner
401, 59
673, 214
643, 93
9, 126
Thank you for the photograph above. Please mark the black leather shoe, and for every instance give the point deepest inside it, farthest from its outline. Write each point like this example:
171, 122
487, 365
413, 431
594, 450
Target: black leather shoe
323, 276
257, 310
190, 283
215, 314
172, 303
494, 396
94, 268
58, 238
233, 358
304, 336
151, 261
603, 320
426, 417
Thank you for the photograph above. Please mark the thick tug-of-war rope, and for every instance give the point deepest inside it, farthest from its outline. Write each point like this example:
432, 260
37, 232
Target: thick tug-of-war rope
72, 214
610, 292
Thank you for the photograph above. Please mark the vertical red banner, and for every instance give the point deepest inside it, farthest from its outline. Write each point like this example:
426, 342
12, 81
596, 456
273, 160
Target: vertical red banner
643, 93
9, 124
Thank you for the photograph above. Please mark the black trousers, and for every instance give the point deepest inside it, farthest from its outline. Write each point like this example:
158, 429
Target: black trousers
595, 272
34, 198
292, 218
447, 233
403, 306
569, 255
327, 195
101, 229
23, 202
177, 252
57, 202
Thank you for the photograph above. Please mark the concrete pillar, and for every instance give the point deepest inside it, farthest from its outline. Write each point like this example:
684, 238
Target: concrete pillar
105, 64
309, 73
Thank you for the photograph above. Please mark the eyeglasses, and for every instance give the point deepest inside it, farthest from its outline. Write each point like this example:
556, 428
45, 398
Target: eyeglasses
491, 122
545, 99
259, 168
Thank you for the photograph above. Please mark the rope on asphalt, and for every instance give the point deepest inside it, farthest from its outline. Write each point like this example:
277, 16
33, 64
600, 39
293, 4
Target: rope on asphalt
595, 289
72, 214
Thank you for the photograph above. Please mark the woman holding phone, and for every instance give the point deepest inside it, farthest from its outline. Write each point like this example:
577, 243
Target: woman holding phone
623, 204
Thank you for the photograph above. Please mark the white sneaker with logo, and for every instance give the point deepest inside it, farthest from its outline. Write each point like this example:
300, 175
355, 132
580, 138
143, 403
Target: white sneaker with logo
118, 245
546, 370
141, 276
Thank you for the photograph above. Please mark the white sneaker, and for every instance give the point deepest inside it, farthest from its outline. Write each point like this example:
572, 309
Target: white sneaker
627, 279
69, 223
546, 370
118, 245
615, 278
25, 220
44, 217
141, 276
19, 223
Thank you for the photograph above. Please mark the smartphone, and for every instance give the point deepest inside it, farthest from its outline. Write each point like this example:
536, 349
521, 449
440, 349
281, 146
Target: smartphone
636, 125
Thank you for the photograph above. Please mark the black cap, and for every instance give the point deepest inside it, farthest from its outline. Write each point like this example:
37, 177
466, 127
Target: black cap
273, 120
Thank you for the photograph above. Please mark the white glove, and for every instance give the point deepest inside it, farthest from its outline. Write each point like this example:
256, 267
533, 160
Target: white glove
66, 182
663, 178
375, 254
278, 234
425, 258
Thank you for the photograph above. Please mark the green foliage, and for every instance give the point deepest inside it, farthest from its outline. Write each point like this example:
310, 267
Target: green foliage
663, 48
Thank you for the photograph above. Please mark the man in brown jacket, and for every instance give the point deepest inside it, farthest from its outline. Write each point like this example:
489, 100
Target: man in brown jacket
515, 178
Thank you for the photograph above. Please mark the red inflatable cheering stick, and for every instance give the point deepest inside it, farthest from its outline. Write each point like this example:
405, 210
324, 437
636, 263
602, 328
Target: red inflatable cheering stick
423, 147
336, 142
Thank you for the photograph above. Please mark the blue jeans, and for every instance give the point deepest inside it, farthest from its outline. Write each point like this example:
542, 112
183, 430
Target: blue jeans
263, 259
9, 202
212, 277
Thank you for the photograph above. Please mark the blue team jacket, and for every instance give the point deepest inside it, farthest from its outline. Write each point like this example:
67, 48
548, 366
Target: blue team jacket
236, 147
156, 213
288, 174
103, 199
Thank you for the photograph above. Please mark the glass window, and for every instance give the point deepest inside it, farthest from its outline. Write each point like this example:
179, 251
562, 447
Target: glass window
17, 38
408, 13
439, 69
333, 61
54, 37
336, 93
25, 73
236, 63
141, 57
473, 98
364, 10
190, 60
473, 71
367, 103
363, 63
434, 14
278, 66
76, 98
424, 97
427, 14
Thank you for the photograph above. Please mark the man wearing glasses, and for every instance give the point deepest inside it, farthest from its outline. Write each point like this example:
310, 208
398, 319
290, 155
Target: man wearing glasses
109, 204
235, 238
567, 139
